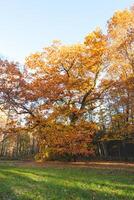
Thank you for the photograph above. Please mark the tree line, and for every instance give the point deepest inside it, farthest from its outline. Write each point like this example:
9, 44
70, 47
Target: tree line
67, 97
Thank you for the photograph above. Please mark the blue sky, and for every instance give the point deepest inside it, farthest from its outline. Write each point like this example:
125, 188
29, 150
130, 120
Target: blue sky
27, 26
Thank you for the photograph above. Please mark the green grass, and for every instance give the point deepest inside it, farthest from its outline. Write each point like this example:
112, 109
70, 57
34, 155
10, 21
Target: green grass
21, 183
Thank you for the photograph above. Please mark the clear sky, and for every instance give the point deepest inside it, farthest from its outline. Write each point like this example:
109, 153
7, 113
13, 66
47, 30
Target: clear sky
27, 26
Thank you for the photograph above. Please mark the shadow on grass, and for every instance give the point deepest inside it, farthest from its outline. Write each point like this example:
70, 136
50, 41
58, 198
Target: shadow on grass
53, 184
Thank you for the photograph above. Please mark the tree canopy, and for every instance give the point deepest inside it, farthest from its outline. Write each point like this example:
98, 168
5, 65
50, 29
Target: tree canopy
66, 94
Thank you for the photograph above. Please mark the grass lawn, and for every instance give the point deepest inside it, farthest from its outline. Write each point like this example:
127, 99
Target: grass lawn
24, 183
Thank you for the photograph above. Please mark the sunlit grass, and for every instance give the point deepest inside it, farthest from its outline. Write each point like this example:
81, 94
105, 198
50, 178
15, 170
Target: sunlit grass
65, 184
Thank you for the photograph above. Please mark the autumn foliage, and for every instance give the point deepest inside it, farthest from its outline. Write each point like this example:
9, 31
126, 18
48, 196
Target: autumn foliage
65, 94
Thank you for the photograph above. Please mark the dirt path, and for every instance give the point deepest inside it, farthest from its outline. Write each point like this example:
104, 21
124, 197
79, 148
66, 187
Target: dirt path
100, 164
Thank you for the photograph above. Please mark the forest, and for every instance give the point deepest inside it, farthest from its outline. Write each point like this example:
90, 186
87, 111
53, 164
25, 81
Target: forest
72, 102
